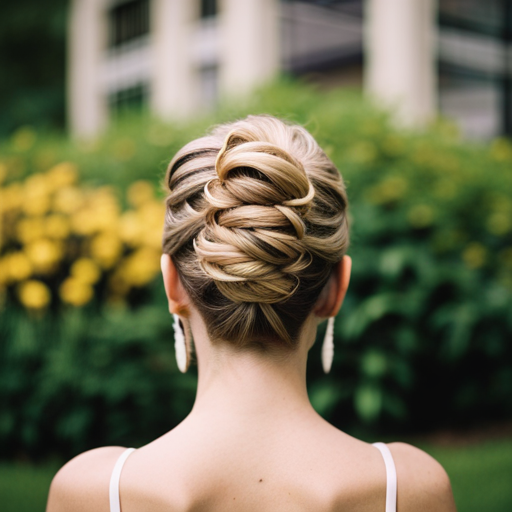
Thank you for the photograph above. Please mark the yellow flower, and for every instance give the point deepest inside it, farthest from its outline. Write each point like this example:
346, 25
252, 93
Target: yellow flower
106, 194
140, 192
37, 184
85, 270
106, 249
17, 266
153, 219
143, 226
34, 294
106, 211
153, 213
153, 237
141, 267
30, 229
130, 228
68, 200
99, 212
36, 205
36, 195
420, 216
75, 292
85, 222
62, 175
474, 255
44, 255
11, 197
56, 226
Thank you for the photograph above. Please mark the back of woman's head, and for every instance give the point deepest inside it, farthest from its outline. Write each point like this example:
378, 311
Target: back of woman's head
256, 218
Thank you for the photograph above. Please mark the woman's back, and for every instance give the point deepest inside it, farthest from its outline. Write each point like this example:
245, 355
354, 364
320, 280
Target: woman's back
254, 259
255, 455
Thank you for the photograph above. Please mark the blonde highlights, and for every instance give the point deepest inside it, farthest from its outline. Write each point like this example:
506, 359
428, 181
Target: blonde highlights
256, 217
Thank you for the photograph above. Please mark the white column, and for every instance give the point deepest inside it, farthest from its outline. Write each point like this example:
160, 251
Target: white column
173, 89
400, 57
87, 109
249, 47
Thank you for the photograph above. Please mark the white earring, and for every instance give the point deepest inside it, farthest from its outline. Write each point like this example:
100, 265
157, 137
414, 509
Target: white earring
180, 345
328, 346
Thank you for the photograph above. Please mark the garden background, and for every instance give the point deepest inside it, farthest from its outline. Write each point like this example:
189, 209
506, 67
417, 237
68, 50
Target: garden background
422, 342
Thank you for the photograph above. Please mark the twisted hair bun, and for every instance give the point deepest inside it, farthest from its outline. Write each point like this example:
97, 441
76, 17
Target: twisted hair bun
256, 217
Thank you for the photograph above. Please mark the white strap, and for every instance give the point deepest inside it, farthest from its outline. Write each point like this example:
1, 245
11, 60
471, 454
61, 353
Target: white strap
390, 477
115, 501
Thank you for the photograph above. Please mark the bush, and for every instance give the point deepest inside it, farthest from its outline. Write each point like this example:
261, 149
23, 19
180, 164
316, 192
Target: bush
423, 337
77, 276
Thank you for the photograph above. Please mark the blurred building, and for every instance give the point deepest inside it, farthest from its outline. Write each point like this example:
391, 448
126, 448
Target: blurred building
175, 57
475, 65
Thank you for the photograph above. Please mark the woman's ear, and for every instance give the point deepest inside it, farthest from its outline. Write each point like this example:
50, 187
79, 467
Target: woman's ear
331, 298
176, 295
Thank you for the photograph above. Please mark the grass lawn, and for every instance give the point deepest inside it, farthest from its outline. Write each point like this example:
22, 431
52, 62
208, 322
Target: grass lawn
25, 488
481, 477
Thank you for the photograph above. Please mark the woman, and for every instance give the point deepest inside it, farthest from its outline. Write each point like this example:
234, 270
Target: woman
254, 259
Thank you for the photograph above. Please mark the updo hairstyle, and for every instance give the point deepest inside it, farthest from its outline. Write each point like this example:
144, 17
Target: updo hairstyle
256, 218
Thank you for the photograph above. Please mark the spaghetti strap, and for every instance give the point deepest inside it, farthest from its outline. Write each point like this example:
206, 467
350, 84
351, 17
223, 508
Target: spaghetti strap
115, 499
391, 484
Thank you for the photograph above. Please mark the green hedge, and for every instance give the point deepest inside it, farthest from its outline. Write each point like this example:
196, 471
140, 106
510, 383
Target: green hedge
423, 339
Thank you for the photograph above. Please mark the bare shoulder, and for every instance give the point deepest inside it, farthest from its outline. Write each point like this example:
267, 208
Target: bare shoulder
423, 484
82, 484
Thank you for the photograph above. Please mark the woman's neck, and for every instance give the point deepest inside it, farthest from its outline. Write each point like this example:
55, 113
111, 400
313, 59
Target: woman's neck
249, 384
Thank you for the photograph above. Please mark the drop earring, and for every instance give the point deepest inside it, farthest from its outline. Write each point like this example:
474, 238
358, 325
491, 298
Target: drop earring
181, 344
328, 346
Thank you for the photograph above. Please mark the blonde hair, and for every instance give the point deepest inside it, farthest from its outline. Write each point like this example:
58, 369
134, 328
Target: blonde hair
256, 218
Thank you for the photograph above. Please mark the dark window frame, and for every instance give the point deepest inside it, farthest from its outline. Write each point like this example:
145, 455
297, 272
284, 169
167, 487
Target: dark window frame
208, 9
128, 21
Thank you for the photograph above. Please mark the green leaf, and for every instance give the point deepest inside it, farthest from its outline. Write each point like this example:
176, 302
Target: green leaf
368, 402
374, 364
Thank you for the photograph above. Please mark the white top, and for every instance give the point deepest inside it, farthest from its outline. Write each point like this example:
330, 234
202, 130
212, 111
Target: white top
115, 502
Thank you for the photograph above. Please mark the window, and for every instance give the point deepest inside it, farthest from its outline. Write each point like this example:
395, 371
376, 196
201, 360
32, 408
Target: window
475, 69
128, 21
130, 99
208, 8
208, 80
